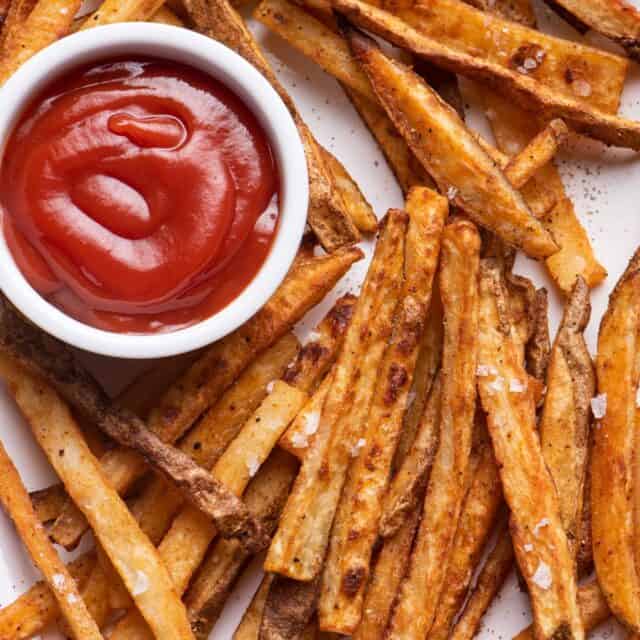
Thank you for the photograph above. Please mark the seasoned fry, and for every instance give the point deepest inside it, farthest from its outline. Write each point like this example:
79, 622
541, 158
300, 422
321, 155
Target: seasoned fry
566, 415
265, 496
137, 562
305, 285
16, 502
413, 475
515, 10
611, 484
299, 546
419, 593
507, 398
13, 23
47, 503
184, 546
584, 553
164, 15
355, 526
249, 627
494, 572
355, 203
463, 170
111, 11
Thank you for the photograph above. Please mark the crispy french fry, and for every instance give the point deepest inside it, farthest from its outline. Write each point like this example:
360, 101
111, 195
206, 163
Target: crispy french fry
566, 415
265, 496
249, 627
508, 400
538, 348
13, 23
47, 503
299, 545
515, 10
47, 21
203, 383
5, 6
355, 203
494, 572
37, 608
164, 15
111, 11
611, 484
462, 174
593, 609
16, 502
184, 546
413, 475
137, 561
420, 591
584, 553
355, 526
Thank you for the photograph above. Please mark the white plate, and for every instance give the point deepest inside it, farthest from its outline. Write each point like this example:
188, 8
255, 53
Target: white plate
604, 185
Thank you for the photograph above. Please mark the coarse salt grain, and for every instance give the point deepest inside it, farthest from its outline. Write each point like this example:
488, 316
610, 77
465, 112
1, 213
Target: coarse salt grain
581, 88
528, 547
516, 386
253, 464
542, 577
599, 406
72, 598
452, 192
58, 581
270, 386
299, 441
496, 385
64, 10
543, 523
141, 583
530, 64
357, 447
311, 422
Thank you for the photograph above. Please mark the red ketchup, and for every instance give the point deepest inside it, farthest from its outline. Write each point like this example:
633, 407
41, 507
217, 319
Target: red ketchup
139, 196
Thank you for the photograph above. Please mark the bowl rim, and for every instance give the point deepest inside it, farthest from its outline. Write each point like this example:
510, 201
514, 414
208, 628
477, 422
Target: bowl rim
188, 47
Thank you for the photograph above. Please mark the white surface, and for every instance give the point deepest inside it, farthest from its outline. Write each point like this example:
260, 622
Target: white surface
605, 187
188, 47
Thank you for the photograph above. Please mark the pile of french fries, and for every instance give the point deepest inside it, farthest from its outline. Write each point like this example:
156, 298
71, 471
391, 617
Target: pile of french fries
430, 436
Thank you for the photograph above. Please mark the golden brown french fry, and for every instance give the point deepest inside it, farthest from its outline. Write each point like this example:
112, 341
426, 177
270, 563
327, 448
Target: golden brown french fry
492, 576
47, 21
137, 562
48, 502
566, 415
13, 23
265, 496
611, 484
355, 526
184, 546
515, 10
420, 591
463, 169
593, 609
37, 608
299, 546
16, 502
584, 554
203, 383
164, 15
507, 397
355, 203
413, 475
249, 627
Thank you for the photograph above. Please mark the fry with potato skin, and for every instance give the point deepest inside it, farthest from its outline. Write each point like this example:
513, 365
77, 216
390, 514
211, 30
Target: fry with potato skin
464, 173
507, 398
16, 502
54, 428
13, 23
611, 484
204, 382
298, 547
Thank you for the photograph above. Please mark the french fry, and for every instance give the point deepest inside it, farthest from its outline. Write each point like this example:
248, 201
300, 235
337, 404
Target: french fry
462, 174
16, 502
56, 362
515, 10
47, 21
492, 576
593, 609
355, 203
584, 552
538, 348
355, 526
420, 591
164, 15
413, 475
299, 545
615, 19
249, 627
137, 561
5, 6
611, 484
184, 546
13, 23
507, 397
326, 214
566, 415
265, 496
203, 383
47, 503
111, 11
37, 608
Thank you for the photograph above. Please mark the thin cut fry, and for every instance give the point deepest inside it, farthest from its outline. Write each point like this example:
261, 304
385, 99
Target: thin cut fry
16, 502
184, 546
611, 484
507, 397
515, 10
584, 554
204, 382
111, 11
249, 627
164, 15
299, 545
137, 562
419, 593
463, 170
566, 416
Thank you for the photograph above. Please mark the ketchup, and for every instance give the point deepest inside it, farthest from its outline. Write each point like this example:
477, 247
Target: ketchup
139, 196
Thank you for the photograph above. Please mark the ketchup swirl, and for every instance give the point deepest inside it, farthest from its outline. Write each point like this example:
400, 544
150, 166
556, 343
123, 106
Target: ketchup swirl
139, 195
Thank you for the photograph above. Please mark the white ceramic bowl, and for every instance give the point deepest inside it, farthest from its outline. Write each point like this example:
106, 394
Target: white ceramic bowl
188, 47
